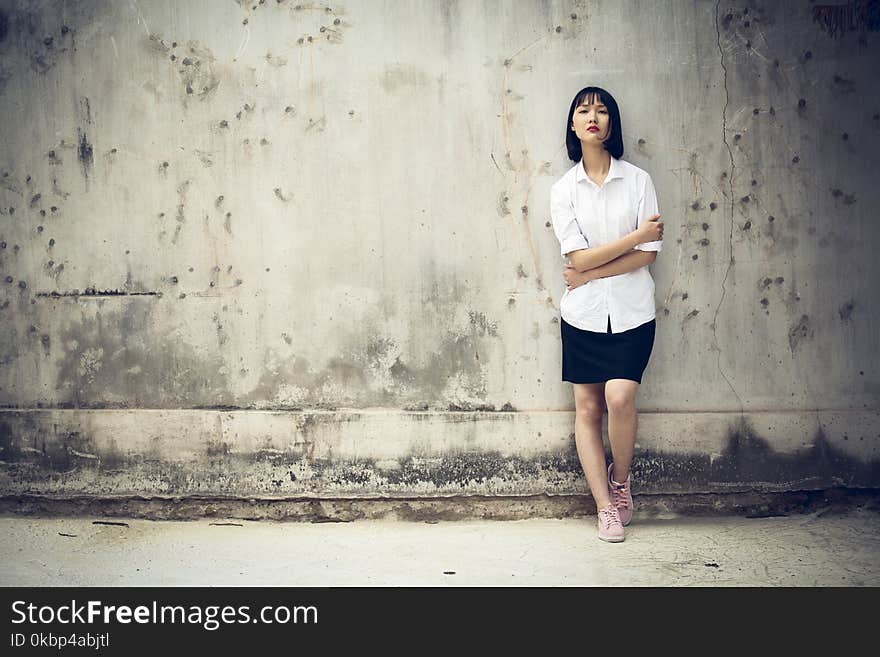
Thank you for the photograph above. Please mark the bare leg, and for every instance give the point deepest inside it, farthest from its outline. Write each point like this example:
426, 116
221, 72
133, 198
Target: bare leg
620, 397
589, 406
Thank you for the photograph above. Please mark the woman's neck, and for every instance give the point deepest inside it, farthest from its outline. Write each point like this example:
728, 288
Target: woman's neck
596, 161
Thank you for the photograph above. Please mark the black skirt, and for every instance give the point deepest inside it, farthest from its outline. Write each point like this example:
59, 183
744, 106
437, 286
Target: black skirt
590, 357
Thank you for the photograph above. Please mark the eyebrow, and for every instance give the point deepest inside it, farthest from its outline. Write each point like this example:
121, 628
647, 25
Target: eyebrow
588, 105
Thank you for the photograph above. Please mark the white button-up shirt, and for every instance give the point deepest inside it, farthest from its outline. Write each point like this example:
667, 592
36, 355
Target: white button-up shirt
587, 215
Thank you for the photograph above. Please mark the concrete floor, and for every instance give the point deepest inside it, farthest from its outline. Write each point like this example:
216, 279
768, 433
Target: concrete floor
819, 549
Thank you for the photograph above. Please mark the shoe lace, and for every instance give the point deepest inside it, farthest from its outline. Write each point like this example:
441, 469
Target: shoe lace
610, 517
618, 495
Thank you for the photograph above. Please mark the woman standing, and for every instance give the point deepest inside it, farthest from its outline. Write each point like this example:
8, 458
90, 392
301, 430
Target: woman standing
604, 213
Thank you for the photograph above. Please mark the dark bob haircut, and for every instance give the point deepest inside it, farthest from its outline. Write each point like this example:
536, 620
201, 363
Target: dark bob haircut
614, 143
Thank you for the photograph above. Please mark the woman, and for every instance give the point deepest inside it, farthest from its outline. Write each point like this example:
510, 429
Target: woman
604, 213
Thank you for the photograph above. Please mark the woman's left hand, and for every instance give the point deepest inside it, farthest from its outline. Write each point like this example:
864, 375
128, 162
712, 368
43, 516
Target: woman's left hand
574, 278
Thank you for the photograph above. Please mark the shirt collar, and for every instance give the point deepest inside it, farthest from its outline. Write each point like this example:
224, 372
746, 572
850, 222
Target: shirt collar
614, 171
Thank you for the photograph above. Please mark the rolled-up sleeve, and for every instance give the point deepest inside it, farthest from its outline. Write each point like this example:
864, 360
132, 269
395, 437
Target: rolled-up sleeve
565, 221
648, 208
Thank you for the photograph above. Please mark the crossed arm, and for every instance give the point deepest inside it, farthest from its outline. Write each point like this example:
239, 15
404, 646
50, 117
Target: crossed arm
622, 264
618, 257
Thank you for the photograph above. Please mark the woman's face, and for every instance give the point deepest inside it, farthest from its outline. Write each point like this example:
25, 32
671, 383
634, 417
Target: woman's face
591, 122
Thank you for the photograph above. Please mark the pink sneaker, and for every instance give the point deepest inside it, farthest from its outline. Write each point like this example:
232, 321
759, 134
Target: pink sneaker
610, 529
621, 496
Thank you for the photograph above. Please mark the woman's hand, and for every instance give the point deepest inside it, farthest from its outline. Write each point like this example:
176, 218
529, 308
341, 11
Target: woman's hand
651, 230
574, 278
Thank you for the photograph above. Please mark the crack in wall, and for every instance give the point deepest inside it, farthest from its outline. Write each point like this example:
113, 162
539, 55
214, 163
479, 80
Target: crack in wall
732, 210
505, 124
98, 293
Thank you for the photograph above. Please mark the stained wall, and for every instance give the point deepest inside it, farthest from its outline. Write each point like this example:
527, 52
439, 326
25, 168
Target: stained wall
269, 248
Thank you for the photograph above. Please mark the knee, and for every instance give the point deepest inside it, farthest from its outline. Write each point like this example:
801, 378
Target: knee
620, 403
590, 410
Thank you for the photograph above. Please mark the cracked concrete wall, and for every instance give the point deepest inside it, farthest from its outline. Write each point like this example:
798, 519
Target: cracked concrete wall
318, 210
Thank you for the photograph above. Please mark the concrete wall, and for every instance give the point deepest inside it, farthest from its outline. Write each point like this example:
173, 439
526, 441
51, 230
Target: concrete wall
279, 249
